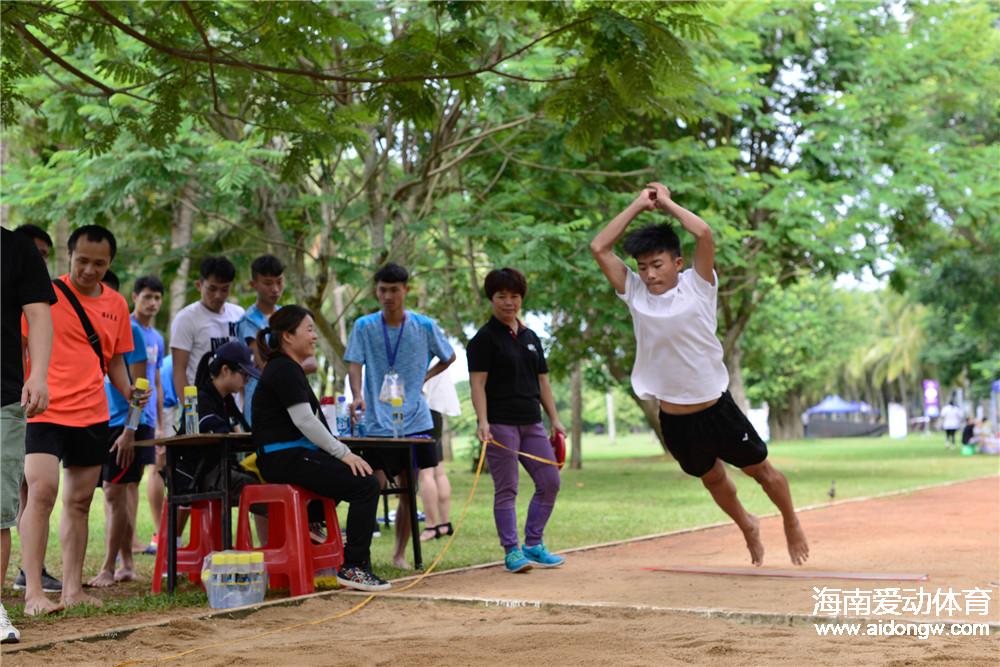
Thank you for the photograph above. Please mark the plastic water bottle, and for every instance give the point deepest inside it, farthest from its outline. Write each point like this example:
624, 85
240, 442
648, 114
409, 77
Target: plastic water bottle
396, 403
359, 423
329, 409
343, 416
134, 409
190, 410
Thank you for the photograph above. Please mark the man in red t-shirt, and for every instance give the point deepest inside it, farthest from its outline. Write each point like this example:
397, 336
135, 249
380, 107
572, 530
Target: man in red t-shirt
74, 428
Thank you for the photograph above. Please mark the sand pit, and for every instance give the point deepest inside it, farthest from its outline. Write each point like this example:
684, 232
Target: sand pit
604, 608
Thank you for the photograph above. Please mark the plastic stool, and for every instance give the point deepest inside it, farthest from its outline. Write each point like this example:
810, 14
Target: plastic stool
290, 556
205, 537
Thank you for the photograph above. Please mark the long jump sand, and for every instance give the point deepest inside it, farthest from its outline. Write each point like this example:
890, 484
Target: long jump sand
603, 608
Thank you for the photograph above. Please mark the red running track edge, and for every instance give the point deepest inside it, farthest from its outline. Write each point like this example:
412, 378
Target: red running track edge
792, 574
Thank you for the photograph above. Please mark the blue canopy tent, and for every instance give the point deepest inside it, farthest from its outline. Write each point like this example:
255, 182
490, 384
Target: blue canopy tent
830, 419
835, 405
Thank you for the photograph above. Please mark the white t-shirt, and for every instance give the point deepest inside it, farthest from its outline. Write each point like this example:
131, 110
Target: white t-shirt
951, 417
198, 330
678, 358
441, 395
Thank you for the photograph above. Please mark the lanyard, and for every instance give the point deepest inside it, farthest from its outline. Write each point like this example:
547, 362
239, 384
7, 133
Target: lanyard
391, 353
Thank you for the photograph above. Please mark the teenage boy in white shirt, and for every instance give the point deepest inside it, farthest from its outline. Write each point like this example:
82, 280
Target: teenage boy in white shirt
206, 324
679, 363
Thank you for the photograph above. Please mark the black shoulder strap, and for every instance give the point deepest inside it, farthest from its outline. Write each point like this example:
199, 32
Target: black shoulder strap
88, 328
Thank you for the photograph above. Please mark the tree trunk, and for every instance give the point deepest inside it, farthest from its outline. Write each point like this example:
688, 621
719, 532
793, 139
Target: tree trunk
612, 429
736, 388
576, 380
60, 238
181, 231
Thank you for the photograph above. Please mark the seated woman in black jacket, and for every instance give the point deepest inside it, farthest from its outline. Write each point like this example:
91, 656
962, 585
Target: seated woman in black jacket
295, 445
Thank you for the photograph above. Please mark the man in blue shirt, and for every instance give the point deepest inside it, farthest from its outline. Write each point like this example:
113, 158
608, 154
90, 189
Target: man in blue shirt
394, 348
117, 480
268, 281
147, 299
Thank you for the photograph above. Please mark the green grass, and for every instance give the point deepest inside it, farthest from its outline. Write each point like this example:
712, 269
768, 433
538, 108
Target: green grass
626, 489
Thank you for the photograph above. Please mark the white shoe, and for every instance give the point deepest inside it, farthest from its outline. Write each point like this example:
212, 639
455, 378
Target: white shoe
8, 633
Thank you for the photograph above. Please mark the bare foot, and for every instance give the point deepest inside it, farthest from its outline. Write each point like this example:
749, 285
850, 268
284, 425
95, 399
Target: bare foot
41, 606
80, 598
125, 574
752, 535
798, 548
400, 562
102, 580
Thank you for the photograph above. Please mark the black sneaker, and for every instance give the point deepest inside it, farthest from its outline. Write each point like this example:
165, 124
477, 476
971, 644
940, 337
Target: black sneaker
49, 583
361, 579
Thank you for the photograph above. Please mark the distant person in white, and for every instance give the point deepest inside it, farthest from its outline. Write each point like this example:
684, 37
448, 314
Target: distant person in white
951, 421
435, 488
678, 361
206, 324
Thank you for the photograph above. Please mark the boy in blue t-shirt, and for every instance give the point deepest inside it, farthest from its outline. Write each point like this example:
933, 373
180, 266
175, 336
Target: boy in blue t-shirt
116, 480
395, 347
268, 281
147, 299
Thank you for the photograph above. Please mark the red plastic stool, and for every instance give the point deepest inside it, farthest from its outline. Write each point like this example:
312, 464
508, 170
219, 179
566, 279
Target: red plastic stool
205, 537
290, 556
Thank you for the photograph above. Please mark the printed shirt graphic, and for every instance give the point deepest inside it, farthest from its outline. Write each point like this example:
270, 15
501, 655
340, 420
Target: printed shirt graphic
423, 339
76, 384
198, 330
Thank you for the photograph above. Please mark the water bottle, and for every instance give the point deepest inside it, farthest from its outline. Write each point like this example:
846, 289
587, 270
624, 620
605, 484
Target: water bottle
343, 416
190, 410
134, 409
359, 423
329, 409
396, 404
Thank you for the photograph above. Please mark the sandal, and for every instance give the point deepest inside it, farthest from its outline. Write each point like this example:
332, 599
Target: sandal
429, 533
443, 530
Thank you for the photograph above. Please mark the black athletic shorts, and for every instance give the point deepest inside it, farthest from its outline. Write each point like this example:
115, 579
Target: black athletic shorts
111, 472
393, 462
721, 431
75, 446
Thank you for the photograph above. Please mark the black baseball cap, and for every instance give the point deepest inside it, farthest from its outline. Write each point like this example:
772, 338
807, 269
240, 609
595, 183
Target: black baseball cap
235, 352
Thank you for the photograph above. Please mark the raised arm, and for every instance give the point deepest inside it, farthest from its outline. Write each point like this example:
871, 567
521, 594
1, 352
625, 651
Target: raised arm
602, 247
704, 244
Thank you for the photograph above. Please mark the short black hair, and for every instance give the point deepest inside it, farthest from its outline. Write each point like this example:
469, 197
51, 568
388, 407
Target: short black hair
392, 273
506, 278
94, 233
152, 283
111, 280
219, 268
267, 265
652, 238
35, 232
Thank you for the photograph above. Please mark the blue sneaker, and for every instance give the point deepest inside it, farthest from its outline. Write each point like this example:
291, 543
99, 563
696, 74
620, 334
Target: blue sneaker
540, 556
515, 561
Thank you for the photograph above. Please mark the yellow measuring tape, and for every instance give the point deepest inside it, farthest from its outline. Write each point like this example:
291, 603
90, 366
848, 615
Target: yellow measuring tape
361, 605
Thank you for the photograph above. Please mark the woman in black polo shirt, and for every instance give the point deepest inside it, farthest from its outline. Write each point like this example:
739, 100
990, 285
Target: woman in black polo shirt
295, 445
510, 384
